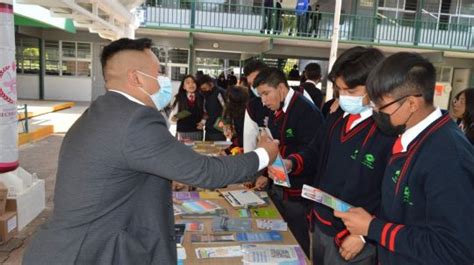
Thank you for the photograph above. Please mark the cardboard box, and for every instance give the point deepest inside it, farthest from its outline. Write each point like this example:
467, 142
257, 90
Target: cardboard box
3, 197
8, 222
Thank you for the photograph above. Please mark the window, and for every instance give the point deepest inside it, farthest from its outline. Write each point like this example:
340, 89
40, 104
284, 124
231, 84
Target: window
68, 58
27, 55
51, 53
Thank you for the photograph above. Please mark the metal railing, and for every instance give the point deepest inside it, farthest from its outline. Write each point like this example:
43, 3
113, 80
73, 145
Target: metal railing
216, 17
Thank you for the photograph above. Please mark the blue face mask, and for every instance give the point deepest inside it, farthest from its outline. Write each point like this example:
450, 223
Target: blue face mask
163, 97
353, 105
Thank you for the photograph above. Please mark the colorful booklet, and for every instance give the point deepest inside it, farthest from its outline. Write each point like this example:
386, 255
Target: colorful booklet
212, 238
278, 169
197, 206
192, 226
264, 212
324, 198
255, 237
182, 114
218, 212
273, 254
219, 252
186, 195
224, 224
276, 225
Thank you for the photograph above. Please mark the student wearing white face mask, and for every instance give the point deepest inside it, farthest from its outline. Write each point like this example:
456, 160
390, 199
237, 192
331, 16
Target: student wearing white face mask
352, 154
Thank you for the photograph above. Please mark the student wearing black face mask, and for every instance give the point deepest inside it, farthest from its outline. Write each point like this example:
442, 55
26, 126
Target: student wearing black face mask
428, 186
214, 101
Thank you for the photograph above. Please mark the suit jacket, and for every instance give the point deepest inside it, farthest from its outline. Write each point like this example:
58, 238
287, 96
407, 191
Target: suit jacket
113, 198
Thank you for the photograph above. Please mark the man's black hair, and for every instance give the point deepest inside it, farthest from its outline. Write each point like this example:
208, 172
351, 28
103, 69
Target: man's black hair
354, 65
313, 71
122, 45
402, 74
270, 76
205, 79
253, 66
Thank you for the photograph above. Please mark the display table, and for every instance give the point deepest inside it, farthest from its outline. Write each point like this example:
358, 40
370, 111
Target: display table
288, 238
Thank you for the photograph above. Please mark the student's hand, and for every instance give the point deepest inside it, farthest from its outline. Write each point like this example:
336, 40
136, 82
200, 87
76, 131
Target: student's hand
351, 246
261, 183
178, 186
357, 220
271, 146
288, 164
249, 185
228, 131
199, 126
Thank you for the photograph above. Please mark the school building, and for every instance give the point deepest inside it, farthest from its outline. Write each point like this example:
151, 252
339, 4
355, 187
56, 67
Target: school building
58, 42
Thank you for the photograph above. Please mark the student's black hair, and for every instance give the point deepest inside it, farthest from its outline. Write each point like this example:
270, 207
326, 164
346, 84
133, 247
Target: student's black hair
253, 66
270, 76
181, 98
313, 71
468, 115
205, 79
402, 74
236, 102
354, 65
123, 44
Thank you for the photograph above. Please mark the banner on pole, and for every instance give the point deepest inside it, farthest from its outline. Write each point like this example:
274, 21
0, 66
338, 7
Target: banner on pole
8, 92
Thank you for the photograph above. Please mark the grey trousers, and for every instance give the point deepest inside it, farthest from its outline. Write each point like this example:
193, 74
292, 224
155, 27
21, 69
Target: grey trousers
326, 252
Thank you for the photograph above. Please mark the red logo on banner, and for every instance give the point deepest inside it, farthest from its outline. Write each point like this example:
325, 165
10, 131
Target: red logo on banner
8, 83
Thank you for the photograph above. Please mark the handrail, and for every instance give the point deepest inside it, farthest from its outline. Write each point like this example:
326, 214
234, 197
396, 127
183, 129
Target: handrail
234, 18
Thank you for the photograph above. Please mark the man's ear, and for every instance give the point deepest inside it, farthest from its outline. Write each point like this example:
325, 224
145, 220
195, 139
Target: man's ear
133, 79
415, 103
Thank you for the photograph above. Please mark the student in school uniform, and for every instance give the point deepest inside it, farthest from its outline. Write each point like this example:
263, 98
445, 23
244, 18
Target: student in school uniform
427, 210
312, 73
190, 102
214, 101
256, 115
352, 154
234, 113
294, 121
463, 111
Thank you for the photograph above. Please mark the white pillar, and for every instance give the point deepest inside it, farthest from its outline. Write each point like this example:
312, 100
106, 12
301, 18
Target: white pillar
8, 93
334, 45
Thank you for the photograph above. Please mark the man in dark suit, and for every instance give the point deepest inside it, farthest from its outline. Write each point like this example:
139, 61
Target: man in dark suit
113, 201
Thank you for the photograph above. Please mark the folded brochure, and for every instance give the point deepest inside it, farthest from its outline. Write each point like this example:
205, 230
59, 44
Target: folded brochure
278, 169
324, 198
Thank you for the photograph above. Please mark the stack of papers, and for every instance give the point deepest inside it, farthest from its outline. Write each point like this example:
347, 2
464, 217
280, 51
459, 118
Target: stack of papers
219, 252
276, 225
214, 238
243, 198
273, 254
259, 237
225, 224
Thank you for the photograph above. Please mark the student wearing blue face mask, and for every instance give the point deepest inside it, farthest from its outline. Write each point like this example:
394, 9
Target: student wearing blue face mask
352, 154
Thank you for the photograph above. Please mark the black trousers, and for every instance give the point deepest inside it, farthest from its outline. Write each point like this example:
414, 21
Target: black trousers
326, 252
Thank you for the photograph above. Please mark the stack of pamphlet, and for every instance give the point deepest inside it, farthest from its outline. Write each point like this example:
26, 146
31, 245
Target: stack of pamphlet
273, 254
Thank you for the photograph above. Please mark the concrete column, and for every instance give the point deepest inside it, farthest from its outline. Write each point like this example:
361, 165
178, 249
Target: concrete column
8, 93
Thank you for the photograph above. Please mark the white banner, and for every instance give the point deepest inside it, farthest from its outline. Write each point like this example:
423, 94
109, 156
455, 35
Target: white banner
8, 93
